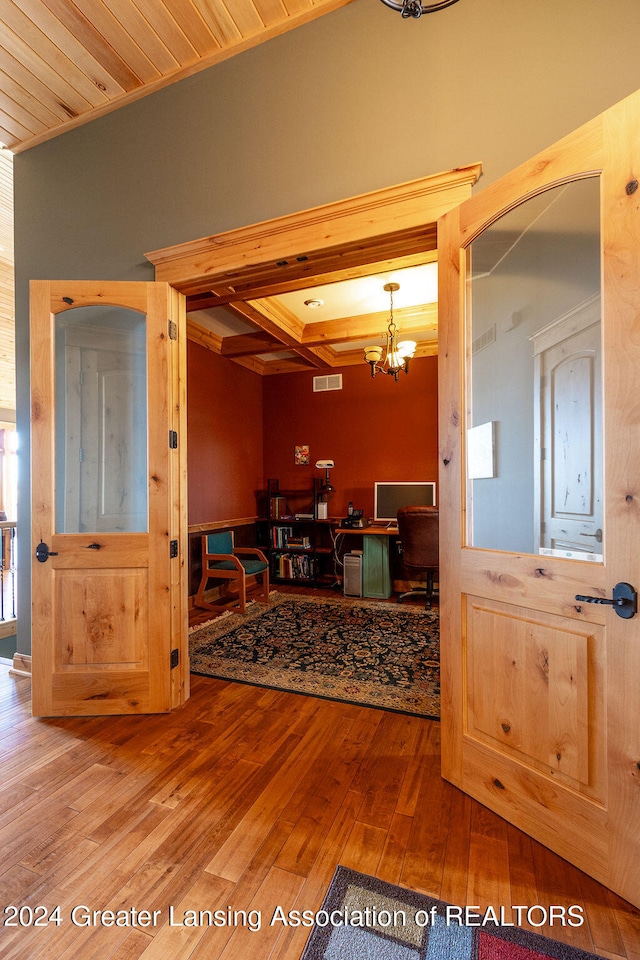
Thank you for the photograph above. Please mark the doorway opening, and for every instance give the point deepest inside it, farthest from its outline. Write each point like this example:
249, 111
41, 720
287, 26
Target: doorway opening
245, 292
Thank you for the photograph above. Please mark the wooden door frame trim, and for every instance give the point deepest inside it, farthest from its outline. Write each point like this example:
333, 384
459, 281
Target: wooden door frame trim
195, 266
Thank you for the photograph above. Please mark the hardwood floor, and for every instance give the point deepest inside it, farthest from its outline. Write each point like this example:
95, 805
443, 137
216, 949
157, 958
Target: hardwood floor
248, 798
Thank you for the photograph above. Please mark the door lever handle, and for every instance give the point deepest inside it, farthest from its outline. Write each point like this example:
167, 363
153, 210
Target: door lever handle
597, 535
43, 553
624, 602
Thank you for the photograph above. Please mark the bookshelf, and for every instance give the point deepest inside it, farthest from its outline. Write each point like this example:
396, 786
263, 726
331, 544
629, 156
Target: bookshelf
299, 546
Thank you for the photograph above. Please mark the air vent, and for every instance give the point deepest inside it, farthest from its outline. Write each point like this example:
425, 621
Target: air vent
484, 340
332, 382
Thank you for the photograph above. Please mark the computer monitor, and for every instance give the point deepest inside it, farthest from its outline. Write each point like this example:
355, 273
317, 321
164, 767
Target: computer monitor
389, 496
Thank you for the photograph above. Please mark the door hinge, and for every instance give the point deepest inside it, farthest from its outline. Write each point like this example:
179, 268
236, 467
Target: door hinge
175, 658
173, 439
173, 549
173, 330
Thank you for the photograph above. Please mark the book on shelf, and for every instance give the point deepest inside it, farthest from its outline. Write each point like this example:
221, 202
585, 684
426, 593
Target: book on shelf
291, 566
280, 536
302, 543
277, 507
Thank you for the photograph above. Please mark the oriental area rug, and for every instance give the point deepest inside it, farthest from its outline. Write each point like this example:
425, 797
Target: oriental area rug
366, 652
363, 918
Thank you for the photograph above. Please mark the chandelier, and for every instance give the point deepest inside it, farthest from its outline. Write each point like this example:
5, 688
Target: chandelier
396, 355
413, 8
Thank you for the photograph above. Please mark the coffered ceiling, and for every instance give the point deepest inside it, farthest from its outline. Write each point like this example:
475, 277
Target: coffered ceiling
324, 325
64, 62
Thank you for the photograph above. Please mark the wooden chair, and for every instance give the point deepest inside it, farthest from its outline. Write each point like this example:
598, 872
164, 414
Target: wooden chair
221, 560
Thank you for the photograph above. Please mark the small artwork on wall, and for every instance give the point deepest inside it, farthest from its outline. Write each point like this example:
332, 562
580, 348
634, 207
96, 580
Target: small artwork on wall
301, 455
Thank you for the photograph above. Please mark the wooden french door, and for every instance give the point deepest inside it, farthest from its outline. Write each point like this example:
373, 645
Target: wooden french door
540, 713
109, 612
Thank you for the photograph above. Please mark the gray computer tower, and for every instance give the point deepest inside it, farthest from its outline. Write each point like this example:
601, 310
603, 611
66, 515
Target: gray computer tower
352, 574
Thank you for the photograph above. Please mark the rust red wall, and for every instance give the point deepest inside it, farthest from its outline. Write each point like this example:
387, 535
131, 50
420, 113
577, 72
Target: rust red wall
372, 429
243, 428
224, 435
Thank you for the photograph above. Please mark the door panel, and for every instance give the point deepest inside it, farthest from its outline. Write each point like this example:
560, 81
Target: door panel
568, 407
539, 709
536, 691
109, 602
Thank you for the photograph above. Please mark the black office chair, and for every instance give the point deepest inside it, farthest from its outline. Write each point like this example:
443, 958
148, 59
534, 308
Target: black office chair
418, 530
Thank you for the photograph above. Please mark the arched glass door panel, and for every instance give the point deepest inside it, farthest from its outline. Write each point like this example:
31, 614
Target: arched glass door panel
534, 384
101, 420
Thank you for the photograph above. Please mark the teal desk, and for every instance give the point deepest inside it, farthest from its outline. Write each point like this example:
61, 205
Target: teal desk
376, 572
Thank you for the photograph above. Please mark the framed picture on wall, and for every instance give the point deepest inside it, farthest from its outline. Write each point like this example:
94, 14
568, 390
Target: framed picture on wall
301, 455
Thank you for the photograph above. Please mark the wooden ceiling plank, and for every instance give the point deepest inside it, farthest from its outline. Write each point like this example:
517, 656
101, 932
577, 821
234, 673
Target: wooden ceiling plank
44, 41
65, 39
99, 14
219, 22
30, 105
36, 87
140, 30
109, 43
246, 17
271, 11
6, 138
294, 7
191, 22
169, 30
56, 86
15, 128
91, 40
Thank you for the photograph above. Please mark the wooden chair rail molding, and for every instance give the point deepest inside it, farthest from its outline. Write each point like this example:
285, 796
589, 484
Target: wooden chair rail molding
221, 524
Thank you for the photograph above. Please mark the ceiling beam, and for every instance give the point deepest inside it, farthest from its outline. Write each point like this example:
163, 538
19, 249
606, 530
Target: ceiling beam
268, 283
244, 344
422, 318
206, 338
282, 325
